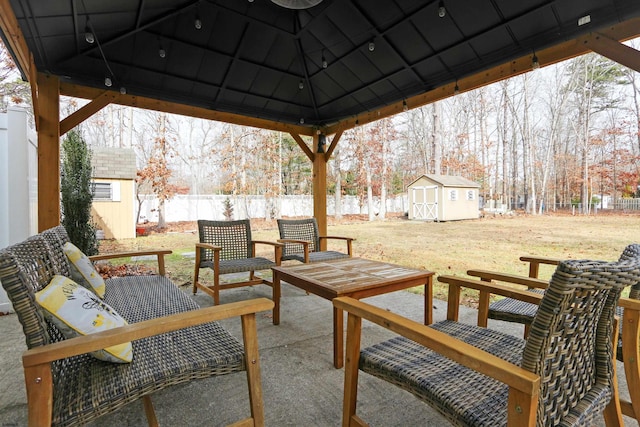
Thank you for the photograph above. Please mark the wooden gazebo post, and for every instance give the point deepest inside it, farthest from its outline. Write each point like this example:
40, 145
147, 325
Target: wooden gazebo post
48, 119
320, 186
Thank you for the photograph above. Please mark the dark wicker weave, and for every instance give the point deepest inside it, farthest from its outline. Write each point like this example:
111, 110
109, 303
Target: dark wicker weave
86, 388
569, 346
234, 237
305, 230
516, 311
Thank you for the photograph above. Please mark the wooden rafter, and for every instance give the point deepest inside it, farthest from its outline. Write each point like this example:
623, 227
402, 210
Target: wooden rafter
15, 38
333, 145
303, 146
85, 112
615, 51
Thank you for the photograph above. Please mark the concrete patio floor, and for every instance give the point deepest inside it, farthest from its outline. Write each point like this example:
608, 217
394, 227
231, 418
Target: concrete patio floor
300, 385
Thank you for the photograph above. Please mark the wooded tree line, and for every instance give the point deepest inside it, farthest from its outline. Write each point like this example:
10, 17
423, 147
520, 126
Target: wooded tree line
561, 136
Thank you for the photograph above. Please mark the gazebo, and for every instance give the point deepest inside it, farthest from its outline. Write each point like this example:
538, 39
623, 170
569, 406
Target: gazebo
312, 68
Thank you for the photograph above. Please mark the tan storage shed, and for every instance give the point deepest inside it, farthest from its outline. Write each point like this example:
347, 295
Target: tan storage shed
443, 198
114, 208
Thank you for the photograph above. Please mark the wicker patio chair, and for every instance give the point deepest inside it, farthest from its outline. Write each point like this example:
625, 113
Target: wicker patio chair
517, 310
511, 309
563, 374
226, 247
174, 341
303, 243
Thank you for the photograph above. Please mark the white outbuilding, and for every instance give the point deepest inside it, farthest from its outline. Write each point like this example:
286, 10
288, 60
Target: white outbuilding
443, 198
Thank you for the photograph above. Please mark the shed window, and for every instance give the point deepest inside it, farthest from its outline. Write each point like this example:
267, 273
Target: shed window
453, 195
106, 191
471, 194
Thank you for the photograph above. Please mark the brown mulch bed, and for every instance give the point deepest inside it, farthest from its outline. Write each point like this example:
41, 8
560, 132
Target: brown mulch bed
108, 270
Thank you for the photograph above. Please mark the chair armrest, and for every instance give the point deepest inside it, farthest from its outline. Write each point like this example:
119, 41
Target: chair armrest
530, 282
338, 238
305, 246
84, 344
277, 249
208, 246
267, 242
523, 385
629, 304
486, 289
535, 261
300, 242
159, 254
349, 240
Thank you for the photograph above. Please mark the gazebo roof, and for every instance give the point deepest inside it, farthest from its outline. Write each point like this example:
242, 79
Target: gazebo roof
259, 60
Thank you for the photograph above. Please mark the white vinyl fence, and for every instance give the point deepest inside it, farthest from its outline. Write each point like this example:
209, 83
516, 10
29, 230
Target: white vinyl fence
192, 208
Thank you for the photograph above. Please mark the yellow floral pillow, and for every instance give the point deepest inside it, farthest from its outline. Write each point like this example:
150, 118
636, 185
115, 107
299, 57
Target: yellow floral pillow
76, 311
83, 271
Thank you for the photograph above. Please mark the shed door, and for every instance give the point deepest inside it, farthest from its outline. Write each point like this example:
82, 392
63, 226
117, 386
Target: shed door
425, 203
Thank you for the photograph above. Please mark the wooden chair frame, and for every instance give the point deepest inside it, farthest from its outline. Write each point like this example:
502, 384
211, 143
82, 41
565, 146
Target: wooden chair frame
251, 265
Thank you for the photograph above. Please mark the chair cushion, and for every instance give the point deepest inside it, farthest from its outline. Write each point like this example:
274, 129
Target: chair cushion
444, 383
317, 256
514, 310
241, 265
83, 271
77, 311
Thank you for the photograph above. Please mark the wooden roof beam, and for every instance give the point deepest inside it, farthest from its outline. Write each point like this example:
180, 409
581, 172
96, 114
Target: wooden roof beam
85, 112
85, 92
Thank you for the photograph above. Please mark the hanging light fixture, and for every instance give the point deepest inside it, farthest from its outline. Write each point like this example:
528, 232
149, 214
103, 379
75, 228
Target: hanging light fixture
535, 64
456, 89
405, 107
301, 85
325, 64
161, 52
296, 4
372, 46
108, 82
197, 23
89, 37
441, 9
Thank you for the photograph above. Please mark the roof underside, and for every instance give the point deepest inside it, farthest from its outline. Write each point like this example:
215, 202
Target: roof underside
258, 59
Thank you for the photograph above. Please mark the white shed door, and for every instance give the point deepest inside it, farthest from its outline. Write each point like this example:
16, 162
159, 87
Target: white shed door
425, 203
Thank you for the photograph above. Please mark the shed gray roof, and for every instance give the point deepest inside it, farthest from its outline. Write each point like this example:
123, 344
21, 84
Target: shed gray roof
114, 163
450, 181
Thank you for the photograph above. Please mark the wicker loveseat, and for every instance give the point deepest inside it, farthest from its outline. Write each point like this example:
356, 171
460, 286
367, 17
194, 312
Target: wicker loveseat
174, 341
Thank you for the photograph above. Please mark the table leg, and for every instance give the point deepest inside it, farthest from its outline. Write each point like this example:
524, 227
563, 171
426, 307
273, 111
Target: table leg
338, 345
428, 301
276, 298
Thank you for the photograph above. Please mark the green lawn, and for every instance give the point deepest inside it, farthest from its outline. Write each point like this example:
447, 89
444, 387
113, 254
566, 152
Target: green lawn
446, 248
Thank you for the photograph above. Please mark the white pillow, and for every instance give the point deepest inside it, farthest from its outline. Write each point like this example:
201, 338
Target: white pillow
76, 311
83, 271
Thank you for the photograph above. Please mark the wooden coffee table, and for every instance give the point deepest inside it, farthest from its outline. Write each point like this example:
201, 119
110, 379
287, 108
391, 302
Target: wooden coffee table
353, 277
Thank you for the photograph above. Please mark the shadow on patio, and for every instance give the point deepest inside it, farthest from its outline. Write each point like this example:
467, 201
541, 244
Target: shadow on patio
300, 385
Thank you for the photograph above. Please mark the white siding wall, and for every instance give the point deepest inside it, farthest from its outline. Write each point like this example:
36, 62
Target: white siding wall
18, 183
